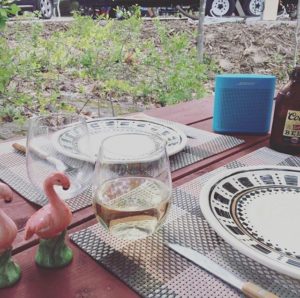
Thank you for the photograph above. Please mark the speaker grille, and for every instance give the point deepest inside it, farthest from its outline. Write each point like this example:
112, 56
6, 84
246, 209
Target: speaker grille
243, 110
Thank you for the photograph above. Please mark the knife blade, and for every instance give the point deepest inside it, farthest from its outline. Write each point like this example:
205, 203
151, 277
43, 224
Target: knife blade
249, 289
60, 166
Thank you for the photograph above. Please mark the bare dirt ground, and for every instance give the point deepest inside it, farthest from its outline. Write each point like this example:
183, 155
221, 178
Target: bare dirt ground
235, 47
257, 47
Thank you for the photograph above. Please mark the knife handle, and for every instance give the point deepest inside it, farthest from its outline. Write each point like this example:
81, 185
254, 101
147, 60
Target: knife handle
19, 147
252, 290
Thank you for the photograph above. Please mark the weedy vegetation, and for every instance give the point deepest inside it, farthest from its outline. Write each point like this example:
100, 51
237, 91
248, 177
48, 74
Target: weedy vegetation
113, 56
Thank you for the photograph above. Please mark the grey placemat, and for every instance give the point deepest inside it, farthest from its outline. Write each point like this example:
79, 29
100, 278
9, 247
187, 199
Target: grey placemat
200, 145
152, 270
13, 172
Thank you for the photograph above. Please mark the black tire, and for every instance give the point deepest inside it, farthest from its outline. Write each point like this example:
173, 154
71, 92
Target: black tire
253, 7
220, 8
45, 8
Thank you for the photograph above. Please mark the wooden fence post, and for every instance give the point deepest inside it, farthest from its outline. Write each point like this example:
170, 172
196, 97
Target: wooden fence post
200, 37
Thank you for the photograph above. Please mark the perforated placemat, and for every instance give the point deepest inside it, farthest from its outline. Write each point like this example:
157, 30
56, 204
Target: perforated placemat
201, 144
13, 172
153, 270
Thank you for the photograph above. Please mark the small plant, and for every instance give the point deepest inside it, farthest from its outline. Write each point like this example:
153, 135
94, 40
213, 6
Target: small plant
7, 8
10, 113
6, 65
123, 13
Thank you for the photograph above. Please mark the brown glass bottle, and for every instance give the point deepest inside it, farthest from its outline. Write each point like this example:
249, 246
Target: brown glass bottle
285, 135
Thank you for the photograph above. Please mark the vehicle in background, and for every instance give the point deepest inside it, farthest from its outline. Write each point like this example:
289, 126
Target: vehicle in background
219, 8
222, 8
256, 7
213, 7
190, 8
44, 7
253, 7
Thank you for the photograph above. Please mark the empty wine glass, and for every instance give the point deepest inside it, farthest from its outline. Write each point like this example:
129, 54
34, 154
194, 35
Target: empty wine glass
53, 145
132, 184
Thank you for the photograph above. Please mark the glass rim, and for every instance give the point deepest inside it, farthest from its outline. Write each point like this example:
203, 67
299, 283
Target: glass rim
72, 119
67, 114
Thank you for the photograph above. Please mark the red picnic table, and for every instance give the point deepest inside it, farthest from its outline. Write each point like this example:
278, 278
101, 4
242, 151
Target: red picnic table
85, 277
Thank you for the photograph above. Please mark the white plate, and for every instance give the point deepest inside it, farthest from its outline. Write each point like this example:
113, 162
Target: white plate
257, 211
70, 144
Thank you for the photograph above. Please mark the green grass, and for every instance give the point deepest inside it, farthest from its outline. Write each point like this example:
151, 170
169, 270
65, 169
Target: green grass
116, 57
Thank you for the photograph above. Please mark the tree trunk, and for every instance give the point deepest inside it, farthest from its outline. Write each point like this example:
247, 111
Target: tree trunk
200, 35
297, 35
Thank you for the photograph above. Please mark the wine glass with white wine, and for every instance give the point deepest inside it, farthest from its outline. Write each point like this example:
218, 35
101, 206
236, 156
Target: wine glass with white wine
132, 185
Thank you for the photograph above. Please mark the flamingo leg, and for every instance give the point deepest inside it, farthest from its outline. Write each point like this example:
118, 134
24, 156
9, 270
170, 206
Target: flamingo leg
53, 252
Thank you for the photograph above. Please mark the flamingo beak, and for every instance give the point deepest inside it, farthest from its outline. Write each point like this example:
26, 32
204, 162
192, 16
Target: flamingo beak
66, 184
7, 199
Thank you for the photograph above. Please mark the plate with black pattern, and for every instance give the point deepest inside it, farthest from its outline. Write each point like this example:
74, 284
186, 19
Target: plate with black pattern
70, 143
257, 211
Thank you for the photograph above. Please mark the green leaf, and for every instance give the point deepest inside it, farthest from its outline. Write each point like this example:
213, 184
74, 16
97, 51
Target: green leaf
3, 12
14, 9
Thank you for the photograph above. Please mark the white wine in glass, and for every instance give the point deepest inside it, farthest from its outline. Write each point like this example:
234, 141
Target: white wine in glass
132, 185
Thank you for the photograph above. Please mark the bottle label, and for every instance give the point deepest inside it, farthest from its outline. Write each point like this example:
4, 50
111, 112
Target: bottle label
291, 131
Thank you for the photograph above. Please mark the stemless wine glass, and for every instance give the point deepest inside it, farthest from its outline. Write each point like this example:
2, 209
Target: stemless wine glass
132, 184
59, 142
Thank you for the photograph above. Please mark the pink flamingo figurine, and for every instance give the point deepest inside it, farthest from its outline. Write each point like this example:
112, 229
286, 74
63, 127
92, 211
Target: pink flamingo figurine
8, 229
5, 192
50, 224
9, 271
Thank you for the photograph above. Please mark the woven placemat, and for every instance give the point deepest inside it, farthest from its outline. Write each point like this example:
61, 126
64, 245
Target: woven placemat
14, 173
201, 144
153, 270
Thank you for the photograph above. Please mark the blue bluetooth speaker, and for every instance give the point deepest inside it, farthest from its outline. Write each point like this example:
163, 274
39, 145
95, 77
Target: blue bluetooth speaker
243, 103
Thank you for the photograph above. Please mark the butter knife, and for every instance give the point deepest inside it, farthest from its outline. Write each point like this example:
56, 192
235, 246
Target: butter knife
249, 289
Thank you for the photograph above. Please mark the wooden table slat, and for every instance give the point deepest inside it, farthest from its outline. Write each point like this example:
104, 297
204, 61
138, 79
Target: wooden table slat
186, 112
90, 280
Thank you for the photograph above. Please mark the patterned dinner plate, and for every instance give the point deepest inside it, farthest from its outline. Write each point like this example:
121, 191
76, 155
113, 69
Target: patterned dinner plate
69, 143
257, 211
